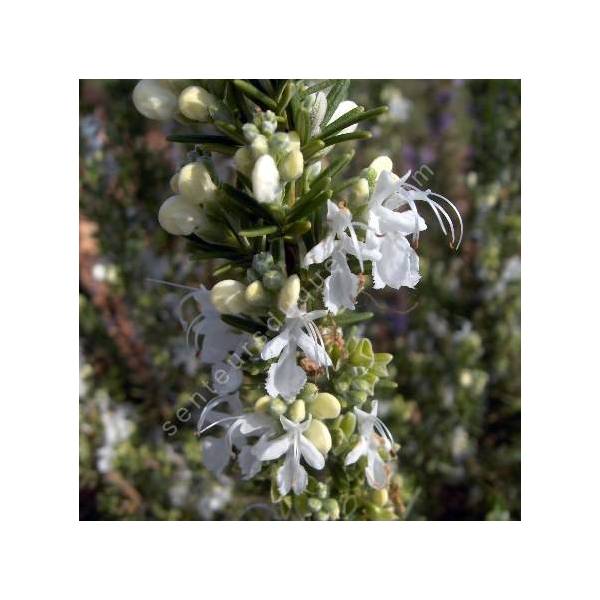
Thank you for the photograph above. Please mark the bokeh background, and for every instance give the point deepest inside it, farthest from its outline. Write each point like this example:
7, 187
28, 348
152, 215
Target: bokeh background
456, 337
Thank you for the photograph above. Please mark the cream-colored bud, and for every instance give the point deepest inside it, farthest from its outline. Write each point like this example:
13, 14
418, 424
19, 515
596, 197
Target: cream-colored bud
380, 497
297, 411
259, 146
195, 102
174, 183
244, 160
228, 297
256, 295
325, 406
319, 435
361, 189
195, 183
153, 99
313, 170
265, 180
291, 166
178, 216
262, 404
289, 294
381, 163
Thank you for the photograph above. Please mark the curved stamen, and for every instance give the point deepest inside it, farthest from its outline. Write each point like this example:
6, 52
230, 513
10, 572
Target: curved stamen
217, 423
456, 212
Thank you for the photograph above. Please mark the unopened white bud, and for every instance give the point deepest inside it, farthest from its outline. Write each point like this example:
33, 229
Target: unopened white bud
361, 189
325, 406
250, 131
319, 435
195, 103
179, 216
153, 99
291, 166
265, 180
294, 140
256, 295
289, 294
340, 111
228, 297
381, 163
196, 184
244, 160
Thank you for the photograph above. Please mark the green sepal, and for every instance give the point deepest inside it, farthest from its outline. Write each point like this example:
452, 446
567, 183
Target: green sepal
247, 203
336, 95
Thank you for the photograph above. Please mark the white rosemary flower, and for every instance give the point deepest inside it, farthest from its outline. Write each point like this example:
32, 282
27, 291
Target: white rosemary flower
295, 445
373, 435
153, 99
285, 377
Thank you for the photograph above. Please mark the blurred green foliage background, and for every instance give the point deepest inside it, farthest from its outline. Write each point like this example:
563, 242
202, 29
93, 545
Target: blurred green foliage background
456, 337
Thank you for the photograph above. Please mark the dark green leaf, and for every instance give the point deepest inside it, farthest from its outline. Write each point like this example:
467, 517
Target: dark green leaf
256, 231
346, 137
255, 94
248, 204
301, 211
244, 324
356, 115
336, 95
198, 138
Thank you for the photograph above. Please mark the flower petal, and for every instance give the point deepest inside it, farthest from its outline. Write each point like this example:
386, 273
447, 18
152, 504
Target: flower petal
273, 449
285, 377
321, 252
359, 450
215, 454
310, 453
274, 347
375, 470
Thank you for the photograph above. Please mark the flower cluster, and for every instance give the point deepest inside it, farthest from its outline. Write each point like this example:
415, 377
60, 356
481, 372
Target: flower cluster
293, 393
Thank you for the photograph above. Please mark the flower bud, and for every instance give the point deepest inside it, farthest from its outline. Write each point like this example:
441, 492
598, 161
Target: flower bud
277, 407
361, 190
362, 355
250, 132
325, 406
291, 166
178, 216
268, 123
153, 99
294, 140
259, 146
297, 411
256, 295
265, 180
228, 297
243, 160
195, 102
289, 294
380, 497
319, 435
322, 490
381, 163
196, 184
332, 508
272, 280
348, 424
314, 505
262, 404
262, 262
309, 391
340, 111
174, 183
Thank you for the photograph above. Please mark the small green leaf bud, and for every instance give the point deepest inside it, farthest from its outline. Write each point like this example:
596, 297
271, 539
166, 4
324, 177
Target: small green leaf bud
332, 508
273, 280
314, 505
348, 424
362, 355
262, 262
309, 392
